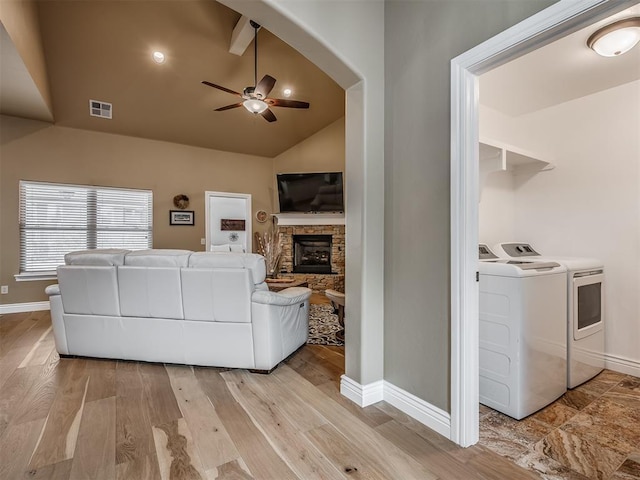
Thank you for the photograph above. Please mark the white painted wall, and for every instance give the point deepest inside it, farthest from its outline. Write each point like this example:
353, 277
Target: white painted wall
497, 209
589, 205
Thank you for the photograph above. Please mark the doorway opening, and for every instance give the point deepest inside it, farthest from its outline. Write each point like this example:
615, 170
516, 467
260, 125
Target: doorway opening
541, 29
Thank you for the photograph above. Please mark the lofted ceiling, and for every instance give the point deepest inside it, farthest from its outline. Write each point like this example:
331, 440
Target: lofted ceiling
101, 50
559, 72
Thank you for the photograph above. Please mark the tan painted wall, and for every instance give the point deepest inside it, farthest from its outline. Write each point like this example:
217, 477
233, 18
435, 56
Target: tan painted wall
322, 152
20, 19
38, 151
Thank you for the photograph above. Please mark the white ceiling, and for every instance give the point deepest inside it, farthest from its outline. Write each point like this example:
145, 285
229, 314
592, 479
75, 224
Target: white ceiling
559, 72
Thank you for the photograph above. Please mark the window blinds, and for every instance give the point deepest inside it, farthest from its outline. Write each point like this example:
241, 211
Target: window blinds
56, 219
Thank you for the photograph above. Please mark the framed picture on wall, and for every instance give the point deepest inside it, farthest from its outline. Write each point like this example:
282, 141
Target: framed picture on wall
181, 217
227, 224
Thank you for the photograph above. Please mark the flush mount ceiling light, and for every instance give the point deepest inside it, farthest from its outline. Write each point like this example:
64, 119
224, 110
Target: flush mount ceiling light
616, 38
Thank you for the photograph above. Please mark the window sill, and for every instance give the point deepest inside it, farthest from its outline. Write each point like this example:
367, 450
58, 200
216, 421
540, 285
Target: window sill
35, 277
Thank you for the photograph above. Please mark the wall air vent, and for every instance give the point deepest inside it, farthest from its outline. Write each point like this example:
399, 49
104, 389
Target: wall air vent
100, 109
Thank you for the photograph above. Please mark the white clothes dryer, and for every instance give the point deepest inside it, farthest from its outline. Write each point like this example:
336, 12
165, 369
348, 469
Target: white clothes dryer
523, 342
585, 309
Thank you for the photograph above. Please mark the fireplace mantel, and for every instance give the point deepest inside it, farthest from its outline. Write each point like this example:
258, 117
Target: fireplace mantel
285, 219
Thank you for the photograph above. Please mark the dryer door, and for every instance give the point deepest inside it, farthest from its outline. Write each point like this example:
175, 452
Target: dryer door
587, 304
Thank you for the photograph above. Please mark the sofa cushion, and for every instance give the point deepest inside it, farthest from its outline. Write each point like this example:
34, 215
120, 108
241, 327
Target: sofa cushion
220, 248
150, 292
105, 257
89, 289
158, 258
251, 261
217, 294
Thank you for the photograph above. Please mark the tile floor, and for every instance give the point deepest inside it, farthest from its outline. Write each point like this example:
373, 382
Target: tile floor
591, 432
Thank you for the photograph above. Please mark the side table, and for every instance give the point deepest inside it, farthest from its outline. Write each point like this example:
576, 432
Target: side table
276, 286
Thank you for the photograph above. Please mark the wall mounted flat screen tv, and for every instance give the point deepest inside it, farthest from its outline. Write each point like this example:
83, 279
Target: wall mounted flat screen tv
310, 192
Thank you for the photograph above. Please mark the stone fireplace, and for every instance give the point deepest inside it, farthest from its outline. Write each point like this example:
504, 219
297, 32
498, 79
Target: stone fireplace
314, 254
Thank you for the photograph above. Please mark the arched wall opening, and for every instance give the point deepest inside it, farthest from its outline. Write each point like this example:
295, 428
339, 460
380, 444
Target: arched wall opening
339, 38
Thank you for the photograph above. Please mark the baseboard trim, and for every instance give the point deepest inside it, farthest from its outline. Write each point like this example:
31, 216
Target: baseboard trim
362, 395
422, 411
24, 307
427, 414
622, 364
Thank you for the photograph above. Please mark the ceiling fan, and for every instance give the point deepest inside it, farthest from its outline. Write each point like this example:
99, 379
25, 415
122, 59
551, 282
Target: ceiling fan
255, 97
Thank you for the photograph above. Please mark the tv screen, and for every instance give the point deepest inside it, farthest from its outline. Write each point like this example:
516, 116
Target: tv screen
310, 192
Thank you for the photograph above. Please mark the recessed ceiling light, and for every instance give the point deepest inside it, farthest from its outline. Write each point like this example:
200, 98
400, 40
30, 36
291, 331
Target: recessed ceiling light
287, 92
158, 57
616, 38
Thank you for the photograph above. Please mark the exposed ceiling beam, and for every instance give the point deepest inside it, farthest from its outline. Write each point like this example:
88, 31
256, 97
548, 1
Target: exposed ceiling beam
242, 36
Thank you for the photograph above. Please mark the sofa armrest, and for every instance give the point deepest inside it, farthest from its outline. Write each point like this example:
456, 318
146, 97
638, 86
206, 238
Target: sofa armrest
288, 296
280, 324
57, 318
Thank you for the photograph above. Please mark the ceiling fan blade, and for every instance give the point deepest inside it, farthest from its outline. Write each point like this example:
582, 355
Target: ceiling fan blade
228, 107
221, 88
265, 86
269, 116
280, 102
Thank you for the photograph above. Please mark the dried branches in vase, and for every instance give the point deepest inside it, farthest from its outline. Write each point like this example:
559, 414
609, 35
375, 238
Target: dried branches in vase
270, 247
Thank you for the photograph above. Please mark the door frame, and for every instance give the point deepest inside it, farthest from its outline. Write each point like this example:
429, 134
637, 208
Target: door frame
557, 21
248, 219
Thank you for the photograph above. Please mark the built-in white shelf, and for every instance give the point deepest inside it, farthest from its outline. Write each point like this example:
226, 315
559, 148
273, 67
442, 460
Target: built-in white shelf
286, 219
496, 156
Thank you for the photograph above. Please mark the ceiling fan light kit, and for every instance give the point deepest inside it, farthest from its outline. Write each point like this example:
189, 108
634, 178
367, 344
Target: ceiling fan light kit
616, 38
255, 97
255, 105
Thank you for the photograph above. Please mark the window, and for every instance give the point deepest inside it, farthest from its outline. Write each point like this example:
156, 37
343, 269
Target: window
56, 219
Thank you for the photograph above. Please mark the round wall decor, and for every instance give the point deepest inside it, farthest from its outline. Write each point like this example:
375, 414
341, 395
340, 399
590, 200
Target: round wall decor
181, 201
262, 216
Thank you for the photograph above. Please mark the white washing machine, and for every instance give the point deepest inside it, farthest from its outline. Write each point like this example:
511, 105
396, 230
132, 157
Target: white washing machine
523, 341
585, 309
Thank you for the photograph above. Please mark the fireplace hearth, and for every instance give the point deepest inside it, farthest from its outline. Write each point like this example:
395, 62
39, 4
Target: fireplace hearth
312, 253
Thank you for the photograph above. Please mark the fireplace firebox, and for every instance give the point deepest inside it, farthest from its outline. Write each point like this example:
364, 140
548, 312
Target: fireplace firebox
312, 253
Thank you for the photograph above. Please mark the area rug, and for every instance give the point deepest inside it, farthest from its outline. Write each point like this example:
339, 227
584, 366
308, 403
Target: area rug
323, 325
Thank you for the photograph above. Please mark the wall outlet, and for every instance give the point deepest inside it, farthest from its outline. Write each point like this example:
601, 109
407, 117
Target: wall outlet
4, 289
203, 241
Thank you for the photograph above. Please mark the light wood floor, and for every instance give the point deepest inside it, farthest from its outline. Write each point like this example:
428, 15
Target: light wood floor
101, 419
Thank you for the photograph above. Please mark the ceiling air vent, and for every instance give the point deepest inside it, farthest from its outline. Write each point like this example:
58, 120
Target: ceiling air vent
100, 109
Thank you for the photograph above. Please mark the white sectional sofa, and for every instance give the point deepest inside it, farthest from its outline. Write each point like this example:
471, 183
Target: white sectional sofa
176, 306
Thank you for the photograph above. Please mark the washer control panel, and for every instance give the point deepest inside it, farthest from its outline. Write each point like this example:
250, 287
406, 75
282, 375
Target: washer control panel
519, 250
485, 253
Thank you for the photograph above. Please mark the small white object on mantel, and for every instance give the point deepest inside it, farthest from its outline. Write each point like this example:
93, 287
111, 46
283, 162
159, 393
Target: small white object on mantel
286, 219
